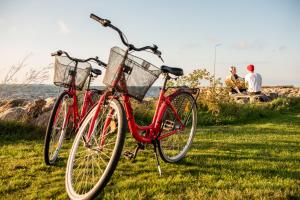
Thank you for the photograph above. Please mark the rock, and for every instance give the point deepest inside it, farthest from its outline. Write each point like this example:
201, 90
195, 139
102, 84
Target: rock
13, 114
259, 98
34, 109
242, 101
254, 99
49, 104
3, 102
273, 95
35, 112
241, 98
42, 119
12, 103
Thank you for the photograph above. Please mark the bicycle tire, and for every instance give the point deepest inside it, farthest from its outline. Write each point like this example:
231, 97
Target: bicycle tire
85, 184
174, 147
51, 159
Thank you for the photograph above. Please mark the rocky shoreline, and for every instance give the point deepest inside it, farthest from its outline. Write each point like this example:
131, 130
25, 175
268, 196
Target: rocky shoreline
37, 111
32, 112
280, 91
283, 91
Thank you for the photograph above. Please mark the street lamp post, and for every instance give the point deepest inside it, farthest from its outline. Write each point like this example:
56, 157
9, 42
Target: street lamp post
219, 44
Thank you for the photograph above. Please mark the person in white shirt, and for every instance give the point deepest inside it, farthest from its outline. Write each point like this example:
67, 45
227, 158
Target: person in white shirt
253, 80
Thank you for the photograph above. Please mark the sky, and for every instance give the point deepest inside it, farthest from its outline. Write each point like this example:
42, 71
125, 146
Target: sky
263, 33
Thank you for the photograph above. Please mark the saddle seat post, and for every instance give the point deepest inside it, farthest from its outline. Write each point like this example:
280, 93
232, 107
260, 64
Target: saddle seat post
167, 78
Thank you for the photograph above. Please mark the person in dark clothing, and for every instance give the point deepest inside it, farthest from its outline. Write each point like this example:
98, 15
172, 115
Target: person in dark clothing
235, 82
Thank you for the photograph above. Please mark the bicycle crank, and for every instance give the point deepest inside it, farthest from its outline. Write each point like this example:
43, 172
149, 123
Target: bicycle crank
132, 155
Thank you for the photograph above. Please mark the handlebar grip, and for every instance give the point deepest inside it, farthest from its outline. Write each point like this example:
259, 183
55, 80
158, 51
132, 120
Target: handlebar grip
104, 22
57, 53
95, 17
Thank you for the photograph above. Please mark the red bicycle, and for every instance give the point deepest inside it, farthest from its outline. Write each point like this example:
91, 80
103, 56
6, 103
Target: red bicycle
65, 118
99, 141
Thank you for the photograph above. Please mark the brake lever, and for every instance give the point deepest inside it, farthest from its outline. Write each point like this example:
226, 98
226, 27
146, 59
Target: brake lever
158, 53
161, 58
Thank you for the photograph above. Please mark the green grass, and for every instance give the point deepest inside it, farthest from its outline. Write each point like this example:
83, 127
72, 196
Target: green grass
260, 160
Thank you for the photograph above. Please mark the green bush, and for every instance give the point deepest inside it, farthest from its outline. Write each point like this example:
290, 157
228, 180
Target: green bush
229, 112
234, 113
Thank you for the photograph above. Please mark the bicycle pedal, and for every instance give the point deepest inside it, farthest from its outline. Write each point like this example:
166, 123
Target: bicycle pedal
128, 155
168, 125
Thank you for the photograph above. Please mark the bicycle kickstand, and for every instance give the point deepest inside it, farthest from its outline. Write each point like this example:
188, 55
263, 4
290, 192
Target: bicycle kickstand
156, 156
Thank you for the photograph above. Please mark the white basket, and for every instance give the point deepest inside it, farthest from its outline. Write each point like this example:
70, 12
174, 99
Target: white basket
140, 77
63, 67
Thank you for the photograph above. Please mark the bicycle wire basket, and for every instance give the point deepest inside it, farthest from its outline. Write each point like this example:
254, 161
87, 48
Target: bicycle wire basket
64, 67
139, 76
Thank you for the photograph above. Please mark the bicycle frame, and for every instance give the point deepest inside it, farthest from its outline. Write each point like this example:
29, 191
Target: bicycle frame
152, 130
73, 108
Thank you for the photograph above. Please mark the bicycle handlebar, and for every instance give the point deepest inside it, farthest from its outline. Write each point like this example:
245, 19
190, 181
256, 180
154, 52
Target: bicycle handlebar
60, 52
107, 23
104, 22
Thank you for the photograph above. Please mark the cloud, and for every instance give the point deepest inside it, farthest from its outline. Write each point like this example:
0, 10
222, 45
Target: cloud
243, 44
282, 47
63, 28
1, 20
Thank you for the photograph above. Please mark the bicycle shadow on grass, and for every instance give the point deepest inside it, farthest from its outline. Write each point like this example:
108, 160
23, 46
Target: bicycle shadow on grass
236, 157
216, 150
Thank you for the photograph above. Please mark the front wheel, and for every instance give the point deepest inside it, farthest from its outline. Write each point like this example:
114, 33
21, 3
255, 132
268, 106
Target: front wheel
93, 160
57, 127
174, 147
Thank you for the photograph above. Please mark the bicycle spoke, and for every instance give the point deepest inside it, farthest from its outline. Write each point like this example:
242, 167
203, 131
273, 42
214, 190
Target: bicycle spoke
172, 148
91, 158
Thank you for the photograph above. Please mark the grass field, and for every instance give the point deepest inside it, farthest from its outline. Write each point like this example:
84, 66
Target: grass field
260, 160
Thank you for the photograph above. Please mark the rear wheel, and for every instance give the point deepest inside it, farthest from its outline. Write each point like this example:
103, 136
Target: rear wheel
56, 129
92, 161
174, 147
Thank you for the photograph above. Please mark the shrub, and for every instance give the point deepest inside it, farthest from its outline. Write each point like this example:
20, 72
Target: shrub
215, 105
234, 113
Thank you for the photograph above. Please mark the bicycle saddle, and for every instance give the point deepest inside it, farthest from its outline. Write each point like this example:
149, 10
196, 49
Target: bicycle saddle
172, 70
96, 71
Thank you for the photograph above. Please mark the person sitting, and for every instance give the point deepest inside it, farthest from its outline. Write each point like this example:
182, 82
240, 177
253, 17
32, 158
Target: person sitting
253, 81
235, 82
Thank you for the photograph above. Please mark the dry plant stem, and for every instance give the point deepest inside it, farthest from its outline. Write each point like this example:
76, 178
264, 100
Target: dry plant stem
10, 77
32, 76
